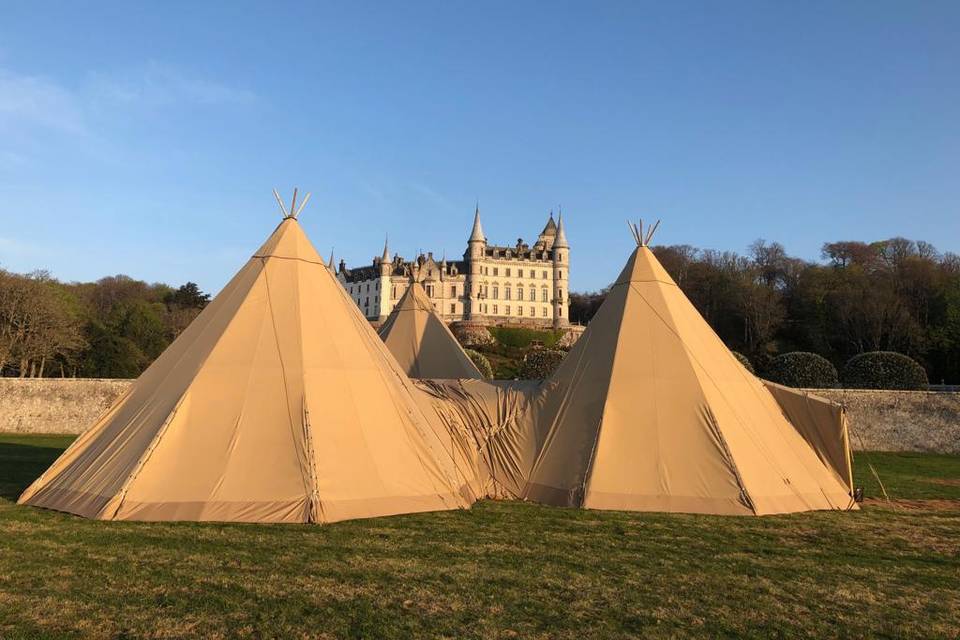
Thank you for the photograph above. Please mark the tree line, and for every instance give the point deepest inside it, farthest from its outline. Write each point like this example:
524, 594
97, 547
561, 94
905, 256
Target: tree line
893, 295
112, 328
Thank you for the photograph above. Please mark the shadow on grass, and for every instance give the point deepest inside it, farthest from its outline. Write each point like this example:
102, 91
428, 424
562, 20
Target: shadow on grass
21, 464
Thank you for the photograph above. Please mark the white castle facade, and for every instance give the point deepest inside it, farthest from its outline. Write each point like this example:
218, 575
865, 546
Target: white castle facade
492, 285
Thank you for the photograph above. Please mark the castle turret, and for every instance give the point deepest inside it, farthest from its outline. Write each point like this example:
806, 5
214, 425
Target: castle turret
476, 245
385, 260
561, 271
548, 234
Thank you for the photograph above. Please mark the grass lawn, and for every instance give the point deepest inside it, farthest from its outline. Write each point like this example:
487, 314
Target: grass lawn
499, 570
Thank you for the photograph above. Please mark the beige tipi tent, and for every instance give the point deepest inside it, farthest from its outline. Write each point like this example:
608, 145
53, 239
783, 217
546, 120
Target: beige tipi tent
279, 403
421, 342
650, 411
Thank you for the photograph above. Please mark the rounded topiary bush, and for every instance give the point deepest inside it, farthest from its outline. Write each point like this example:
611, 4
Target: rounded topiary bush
539, 363
744, 360
884, 370
472, 335
481, 362
802, 369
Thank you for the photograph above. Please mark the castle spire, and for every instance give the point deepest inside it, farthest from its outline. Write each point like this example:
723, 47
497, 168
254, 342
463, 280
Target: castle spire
330, 264
550, 228
561, 239
386, 253
477, 234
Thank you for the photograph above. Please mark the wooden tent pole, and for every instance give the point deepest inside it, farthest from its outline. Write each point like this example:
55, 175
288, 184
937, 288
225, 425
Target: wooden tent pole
302, 205
651, 232
283, 209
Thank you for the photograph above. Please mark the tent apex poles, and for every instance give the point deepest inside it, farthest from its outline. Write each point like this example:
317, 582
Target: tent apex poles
293, 211
636, 230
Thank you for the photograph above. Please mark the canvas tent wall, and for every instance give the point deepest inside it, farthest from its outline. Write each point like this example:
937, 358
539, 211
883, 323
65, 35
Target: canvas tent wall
822, 423
650, 411
279, 403
421, 342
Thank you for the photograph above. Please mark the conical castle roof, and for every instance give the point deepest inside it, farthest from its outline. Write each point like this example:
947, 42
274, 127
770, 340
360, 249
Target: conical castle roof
651, 411
279, 403
421, 342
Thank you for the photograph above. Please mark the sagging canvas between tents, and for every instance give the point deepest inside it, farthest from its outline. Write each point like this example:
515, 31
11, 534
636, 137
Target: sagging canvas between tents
279, 403
421, 342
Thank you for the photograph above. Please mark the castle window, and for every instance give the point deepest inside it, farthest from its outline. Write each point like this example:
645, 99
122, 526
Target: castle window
519, 293
453, 291
496, 292
520, 310
559, 275
393, 292
508, 309
544, 312
506, 293
519, 273
544, 275
453, 308
495, 311
430, 290
533, 295
508, 272
543, 294
496, 271
533, 312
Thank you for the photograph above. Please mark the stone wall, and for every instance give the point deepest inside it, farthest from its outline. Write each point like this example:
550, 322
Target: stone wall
900, 420
879, 420
55, 405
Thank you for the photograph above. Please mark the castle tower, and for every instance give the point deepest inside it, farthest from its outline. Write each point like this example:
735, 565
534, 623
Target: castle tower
474, 255
381, 298
561, 271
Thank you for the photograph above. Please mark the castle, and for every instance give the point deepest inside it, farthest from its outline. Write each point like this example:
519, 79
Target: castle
492, 285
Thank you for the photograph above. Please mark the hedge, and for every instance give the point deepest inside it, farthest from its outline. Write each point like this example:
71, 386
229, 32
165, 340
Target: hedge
802, 369
521, 337
540, 363
884, 370
481, 362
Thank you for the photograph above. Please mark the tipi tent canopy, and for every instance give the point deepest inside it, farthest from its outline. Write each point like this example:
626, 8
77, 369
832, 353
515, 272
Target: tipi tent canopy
279, 403
650, 411
421, 342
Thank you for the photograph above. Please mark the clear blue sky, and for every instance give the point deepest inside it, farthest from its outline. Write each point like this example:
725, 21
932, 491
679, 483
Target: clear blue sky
144, 137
